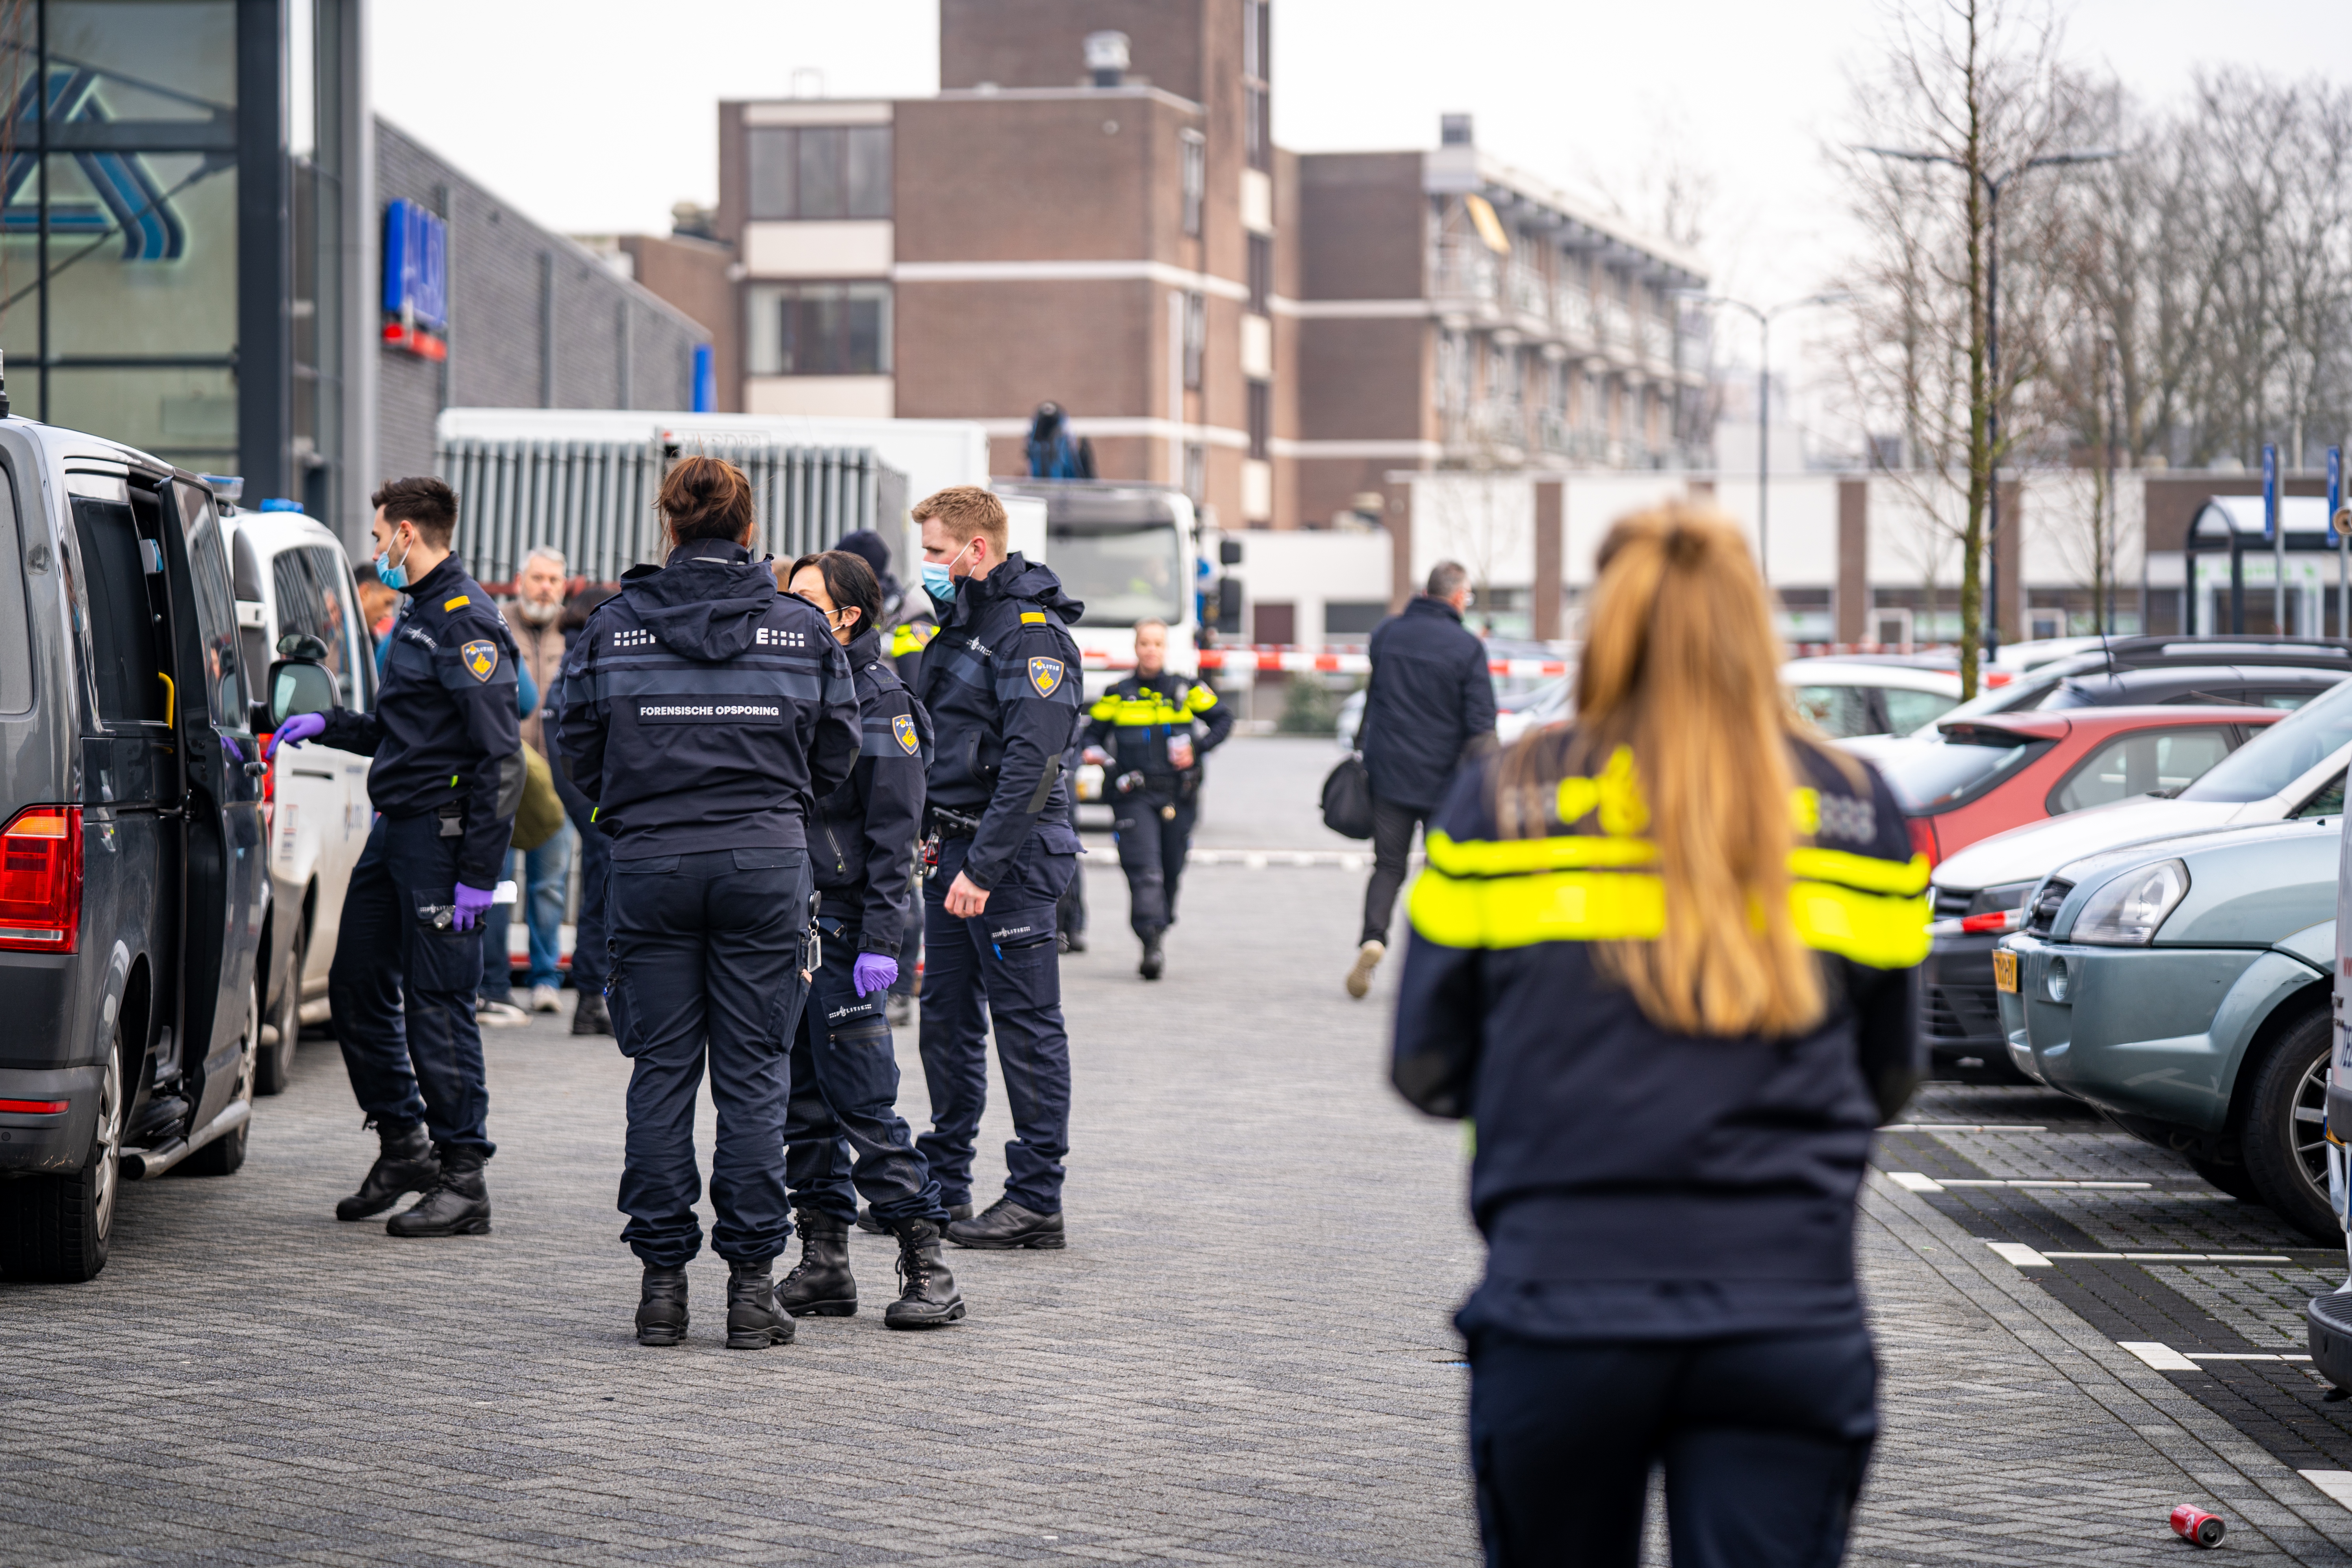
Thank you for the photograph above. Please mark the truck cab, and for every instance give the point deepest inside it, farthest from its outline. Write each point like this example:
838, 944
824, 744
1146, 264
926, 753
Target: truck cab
1127, 553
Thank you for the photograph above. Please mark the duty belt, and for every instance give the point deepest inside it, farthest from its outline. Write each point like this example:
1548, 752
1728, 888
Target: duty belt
946, 824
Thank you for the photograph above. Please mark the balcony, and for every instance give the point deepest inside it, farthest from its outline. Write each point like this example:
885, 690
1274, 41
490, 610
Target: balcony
1528, 296
1466, 274
1658, 345
1572, 310
1616, 324
1496, 430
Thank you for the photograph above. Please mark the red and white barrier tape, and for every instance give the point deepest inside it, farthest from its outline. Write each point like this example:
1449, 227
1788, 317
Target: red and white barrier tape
1304, 661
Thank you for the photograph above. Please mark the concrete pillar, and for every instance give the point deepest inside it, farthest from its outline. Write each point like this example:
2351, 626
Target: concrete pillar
1551, 555
1854, 561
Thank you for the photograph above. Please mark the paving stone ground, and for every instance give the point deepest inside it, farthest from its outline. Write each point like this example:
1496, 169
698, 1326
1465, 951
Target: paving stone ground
1242, 1357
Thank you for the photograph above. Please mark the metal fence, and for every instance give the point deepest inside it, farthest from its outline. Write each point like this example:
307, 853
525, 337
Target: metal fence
595, 499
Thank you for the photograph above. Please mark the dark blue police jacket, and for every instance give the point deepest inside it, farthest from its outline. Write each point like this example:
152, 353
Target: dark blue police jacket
1430, 701
1002, 683
863, 849
702, 709
446, 729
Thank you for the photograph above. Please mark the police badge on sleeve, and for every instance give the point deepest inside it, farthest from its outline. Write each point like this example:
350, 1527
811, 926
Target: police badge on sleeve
903, 728
1045, 675
481, 656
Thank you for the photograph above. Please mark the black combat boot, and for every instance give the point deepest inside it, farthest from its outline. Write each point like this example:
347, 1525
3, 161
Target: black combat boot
592, 1016
754, 1322
457, 1202
871, 1226
661, 1307
406, 1161
928, 1298
1004, 1225
820, 1284
1153, 962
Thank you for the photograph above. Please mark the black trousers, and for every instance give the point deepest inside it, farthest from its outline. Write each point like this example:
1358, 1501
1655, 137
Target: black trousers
402, 988
1764, 1441
1154, 830
706, 956
845, 1102
1392, 825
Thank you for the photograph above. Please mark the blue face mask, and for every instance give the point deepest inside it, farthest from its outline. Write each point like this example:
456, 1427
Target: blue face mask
938, 576
392, 577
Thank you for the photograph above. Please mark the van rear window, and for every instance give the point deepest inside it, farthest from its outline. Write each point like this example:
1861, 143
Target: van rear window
16, 630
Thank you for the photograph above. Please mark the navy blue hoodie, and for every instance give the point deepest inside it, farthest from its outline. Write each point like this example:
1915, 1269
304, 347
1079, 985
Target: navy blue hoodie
702, 709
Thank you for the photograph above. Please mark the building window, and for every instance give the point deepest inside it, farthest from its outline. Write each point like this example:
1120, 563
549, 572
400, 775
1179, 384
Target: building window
1256, 39
820, 329
1196, 179
1261, 418
1261, 272
1196, 470
1196, 338
1452, 371
818, 172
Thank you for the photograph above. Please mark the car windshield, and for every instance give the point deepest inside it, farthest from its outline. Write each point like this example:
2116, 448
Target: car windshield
2016, 697
1122, 573
2283, 753
1931, 776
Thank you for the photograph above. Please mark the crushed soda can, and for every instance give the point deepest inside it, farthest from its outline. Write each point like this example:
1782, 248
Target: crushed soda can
2193, 1524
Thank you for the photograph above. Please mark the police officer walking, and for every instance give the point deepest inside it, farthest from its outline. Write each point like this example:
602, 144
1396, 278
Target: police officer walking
447, 777
702, 711
1001, 681
845, 1072
1142, 733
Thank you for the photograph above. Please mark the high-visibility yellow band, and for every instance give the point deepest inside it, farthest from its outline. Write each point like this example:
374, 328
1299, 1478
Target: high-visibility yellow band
459, 601
1136, 711
1032, 617
1508, 856
1630, 905
1868, 872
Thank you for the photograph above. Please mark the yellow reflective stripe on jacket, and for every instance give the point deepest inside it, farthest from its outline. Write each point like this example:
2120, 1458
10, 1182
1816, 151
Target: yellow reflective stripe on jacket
1507, 911
910, 637
1135, 713
1507, 857
1867, 872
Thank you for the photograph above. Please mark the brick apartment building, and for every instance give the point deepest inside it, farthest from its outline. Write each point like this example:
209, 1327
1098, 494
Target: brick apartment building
1091, 211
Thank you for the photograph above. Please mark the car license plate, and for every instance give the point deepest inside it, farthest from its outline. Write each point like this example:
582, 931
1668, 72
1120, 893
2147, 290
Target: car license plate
2004, 970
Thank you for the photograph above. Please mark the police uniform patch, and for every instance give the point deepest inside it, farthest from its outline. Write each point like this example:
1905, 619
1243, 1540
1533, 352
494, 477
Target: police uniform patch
481, 656
1045, 675
903, 727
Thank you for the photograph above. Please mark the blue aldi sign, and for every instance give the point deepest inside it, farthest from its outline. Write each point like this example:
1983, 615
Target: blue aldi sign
415, 279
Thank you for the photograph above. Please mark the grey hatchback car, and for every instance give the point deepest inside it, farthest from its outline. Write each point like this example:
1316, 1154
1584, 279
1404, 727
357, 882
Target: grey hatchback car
133, 882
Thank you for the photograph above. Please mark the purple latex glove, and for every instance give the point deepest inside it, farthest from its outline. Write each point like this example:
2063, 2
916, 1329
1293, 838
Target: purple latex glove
295, 731
873, 973
472, 904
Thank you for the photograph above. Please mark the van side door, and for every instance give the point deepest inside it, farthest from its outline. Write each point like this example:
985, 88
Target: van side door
227, 875
322, 815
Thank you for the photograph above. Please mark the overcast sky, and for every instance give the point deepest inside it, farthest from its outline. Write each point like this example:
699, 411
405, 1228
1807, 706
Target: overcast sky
596, 115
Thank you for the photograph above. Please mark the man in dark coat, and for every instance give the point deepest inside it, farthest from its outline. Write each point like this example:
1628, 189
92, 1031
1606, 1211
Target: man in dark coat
1432, 704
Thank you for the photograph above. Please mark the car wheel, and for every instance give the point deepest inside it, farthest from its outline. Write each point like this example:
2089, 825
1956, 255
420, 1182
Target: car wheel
2228, 1176
58, 1227
2283, 1130
224, 1154
275, 1068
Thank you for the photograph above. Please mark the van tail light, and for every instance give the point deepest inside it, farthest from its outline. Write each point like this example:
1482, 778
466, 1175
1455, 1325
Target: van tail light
40, 880
1923, 837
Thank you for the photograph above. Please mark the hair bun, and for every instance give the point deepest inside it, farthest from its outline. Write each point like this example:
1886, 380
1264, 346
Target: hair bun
705, 497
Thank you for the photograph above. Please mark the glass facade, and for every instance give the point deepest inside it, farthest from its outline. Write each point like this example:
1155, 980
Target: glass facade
168, 260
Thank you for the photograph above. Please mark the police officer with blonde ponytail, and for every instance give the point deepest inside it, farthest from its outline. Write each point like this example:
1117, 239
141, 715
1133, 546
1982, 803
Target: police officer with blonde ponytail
1664, 961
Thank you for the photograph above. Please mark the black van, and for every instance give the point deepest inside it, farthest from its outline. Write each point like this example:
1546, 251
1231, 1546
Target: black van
133, 886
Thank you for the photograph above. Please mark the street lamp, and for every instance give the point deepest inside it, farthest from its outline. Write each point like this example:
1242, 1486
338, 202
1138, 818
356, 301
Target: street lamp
1764, 402
1992, 184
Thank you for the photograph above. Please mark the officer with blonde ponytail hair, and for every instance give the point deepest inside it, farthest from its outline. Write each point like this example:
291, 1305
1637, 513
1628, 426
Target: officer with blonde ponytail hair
1662, 960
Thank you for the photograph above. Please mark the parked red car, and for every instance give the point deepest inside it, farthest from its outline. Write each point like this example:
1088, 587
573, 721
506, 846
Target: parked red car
2001, 770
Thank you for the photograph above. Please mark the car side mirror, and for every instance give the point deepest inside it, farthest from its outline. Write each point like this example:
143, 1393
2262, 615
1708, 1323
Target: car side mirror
301, 645
300, 685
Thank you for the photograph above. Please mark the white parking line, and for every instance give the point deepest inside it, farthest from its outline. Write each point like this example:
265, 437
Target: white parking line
1912, 1181
2243, 1355
2337, 1484
2180, 1257
1959, 1127
2027, 1181
2017, 1252
2162, 1357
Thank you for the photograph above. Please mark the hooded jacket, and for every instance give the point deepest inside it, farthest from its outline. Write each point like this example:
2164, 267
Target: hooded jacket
702, 709
863, 849
1001, 681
